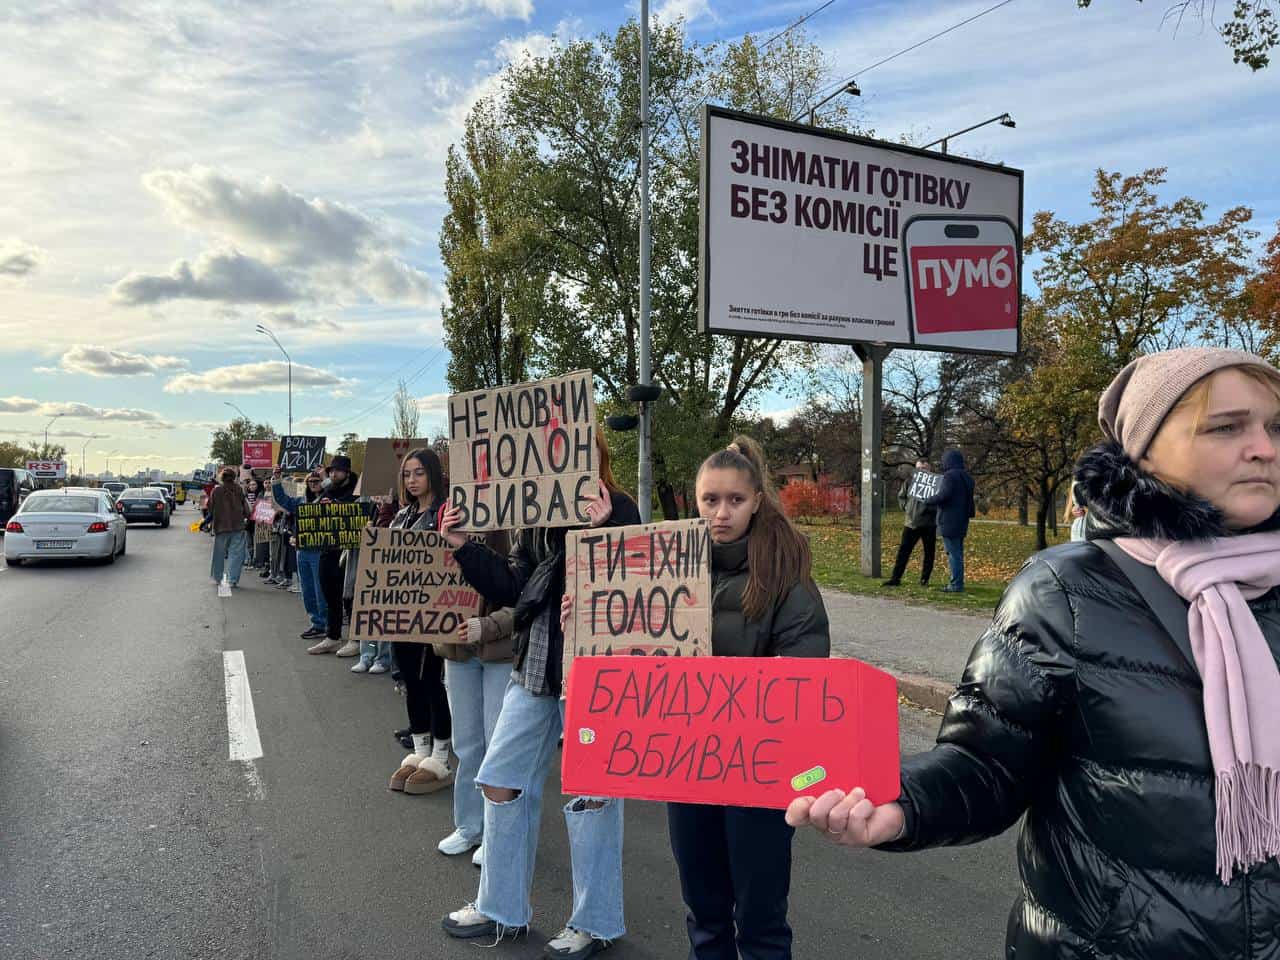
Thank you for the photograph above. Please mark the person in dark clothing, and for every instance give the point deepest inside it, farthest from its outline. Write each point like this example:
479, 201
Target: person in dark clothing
921, 525
338, 487
524, 743
1122, 704
735, 862
426, 769
954, 502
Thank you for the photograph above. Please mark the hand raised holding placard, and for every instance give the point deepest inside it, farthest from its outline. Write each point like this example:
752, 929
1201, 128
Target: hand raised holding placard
449, 518
600, 509
566, 613
850, 820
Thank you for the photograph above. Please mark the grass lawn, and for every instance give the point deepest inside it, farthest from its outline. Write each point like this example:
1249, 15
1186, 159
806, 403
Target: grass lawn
993, 553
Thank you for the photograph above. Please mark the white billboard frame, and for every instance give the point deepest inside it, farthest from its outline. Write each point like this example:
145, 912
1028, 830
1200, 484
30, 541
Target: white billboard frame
711, 113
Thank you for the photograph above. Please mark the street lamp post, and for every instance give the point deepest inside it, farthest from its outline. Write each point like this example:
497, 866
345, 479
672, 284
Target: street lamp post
236, 409
1003, 119
266, 331
84, 452
46, 433
851, 88
109, 456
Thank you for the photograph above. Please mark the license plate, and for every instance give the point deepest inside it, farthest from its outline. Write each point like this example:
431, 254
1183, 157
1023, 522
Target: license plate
55, 544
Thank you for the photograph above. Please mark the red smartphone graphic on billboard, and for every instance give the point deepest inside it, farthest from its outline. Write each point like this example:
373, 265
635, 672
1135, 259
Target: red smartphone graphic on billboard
963, 282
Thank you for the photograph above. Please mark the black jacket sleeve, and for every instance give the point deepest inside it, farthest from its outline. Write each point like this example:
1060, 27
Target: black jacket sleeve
500, 580
1002, 733
946, 490
800, 627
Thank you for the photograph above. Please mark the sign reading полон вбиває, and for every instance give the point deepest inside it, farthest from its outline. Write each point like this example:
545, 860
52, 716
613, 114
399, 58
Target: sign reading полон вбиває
325, 525
816, 235
524, 456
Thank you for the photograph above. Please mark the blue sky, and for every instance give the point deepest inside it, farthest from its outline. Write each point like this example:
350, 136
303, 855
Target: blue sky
174, 173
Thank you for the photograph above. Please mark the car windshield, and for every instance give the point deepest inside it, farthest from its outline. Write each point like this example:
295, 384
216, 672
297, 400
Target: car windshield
60, 504
140, 495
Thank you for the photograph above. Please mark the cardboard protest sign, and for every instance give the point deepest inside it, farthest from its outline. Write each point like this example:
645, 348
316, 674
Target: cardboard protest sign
322, 525
642, 590
257, 453
524, 456
301, 453
747, 731
264, 511
382, 456
409, 588
924, 485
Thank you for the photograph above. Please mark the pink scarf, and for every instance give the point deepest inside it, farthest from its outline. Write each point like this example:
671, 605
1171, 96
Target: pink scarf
1240, 677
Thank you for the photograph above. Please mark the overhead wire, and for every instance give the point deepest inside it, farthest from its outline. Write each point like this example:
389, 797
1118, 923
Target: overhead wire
782, 33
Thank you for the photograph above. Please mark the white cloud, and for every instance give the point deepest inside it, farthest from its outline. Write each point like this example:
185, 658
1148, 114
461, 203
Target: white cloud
105, 362
263, 214
515, 49
434, 403
227, 276
77, 411
498, 8
687, 10
316, 422
390, 279
251, 377
289, 320
18, 259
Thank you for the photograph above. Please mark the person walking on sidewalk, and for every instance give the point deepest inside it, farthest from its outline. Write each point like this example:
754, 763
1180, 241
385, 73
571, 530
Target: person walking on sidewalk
1122, 704
228, 512
921, 526
525, 742
954, 501
308, 557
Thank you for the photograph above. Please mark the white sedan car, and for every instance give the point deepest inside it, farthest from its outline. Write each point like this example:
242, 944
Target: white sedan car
65, 524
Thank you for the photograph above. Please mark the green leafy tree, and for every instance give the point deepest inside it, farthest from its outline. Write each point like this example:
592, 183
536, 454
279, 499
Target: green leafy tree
1251, 33
405, 413
352, 446
225, 447
15, 454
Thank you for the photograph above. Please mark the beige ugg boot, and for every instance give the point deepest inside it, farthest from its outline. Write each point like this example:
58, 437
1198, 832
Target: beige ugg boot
431, 775
408, 766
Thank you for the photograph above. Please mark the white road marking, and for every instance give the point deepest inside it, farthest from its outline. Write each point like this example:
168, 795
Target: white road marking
242, 724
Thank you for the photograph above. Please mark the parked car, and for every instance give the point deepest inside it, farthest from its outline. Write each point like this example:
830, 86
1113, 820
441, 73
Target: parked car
15, 486
140, 505
116, 487
76, 523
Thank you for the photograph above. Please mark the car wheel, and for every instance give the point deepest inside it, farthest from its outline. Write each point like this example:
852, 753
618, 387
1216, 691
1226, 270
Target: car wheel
15, 562
164, 524
124, 543
109, 559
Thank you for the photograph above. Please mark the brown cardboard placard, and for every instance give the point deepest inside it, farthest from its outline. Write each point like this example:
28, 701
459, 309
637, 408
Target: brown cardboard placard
409, 588
640, 590
524, 455
382, 456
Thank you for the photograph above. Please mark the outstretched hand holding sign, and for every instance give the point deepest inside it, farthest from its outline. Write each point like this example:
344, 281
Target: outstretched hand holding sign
850, 820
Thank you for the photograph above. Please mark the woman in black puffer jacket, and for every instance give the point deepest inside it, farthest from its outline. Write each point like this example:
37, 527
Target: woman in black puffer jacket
1079, 708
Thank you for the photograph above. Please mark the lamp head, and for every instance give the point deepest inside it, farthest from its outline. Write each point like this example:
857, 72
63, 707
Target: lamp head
1007, 121
853, 89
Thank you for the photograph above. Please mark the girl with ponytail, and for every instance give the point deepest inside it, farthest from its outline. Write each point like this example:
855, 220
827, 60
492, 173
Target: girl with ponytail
735, 862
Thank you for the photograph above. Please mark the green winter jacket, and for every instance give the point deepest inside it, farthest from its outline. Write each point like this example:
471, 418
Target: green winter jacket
796, 627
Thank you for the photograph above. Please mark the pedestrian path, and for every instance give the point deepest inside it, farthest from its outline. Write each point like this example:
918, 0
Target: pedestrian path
924, 647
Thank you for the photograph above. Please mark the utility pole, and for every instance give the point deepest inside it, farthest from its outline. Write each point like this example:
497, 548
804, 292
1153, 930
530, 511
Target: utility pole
644, 484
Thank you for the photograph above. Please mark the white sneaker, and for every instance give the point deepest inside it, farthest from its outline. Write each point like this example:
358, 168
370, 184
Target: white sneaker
477, 858
359, 667
349, 649
574, 944
378, 667
456, 843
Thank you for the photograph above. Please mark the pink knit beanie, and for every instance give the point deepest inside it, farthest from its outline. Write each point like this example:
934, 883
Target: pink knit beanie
1134, 406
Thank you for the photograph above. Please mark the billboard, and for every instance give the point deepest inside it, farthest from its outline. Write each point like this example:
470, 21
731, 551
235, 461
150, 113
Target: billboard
48, 469
816, 235
257, 453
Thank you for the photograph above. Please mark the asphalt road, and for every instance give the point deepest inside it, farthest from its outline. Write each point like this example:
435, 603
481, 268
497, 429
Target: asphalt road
125, 832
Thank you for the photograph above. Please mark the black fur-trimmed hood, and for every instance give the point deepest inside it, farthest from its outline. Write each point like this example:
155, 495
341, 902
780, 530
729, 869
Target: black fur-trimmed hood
1125, 500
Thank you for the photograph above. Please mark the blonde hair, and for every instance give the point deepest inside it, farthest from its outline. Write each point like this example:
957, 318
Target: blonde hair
1198, 395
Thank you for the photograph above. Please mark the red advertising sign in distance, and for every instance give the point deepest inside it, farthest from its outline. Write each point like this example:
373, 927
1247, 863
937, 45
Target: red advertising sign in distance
742, 731
257, 453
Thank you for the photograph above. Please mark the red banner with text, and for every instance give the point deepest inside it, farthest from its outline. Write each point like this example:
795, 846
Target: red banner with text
741, 731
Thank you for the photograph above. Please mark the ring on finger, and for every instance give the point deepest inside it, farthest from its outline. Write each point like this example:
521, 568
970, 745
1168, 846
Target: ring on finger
834, 833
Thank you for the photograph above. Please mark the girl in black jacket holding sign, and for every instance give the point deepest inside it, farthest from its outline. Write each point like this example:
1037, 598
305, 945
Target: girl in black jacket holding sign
735, 862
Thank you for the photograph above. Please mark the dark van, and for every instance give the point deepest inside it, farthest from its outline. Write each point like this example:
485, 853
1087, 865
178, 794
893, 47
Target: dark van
15, 484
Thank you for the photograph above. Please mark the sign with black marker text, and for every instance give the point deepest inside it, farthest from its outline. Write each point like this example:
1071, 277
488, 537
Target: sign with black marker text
327, 525
301, 453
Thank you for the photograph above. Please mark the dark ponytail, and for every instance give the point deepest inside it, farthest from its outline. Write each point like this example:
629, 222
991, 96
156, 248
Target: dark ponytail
778, 554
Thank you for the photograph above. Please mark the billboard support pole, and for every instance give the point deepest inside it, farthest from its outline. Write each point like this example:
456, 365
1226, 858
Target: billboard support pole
872, 358
644, 480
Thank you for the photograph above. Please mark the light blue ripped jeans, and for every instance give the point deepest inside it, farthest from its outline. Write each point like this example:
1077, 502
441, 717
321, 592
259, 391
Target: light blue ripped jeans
519, 758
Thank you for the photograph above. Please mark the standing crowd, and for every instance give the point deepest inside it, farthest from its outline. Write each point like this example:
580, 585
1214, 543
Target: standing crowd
1122, 705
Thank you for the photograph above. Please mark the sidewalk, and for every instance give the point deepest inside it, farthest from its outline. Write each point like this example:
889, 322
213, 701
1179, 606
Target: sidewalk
923, 647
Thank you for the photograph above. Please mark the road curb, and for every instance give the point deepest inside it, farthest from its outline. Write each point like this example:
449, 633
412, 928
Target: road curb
924, 691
